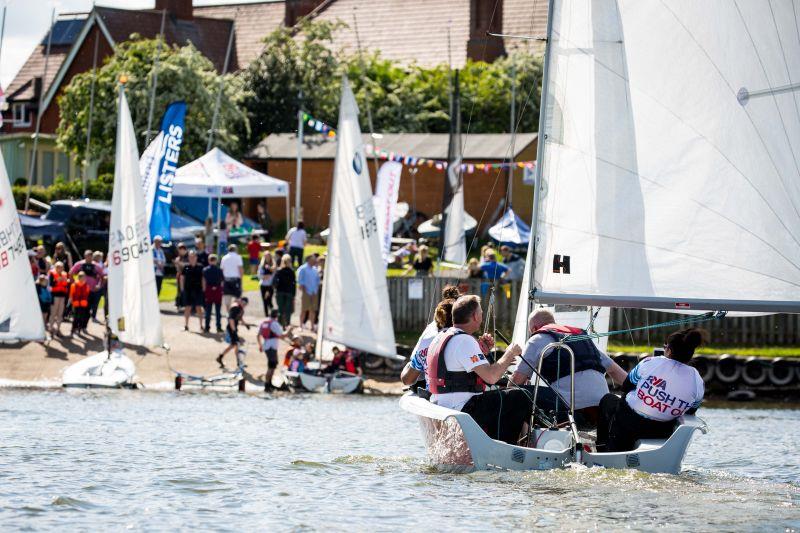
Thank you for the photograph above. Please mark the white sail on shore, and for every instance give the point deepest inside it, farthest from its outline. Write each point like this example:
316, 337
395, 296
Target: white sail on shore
355, 300
20, 317
671, 165
134, 314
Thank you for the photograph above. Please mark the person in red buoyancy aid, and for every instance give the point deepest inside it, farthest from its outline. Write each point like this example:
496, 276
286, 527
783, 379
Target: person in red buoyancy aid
591, 365
351, 363
268, 334
458, 371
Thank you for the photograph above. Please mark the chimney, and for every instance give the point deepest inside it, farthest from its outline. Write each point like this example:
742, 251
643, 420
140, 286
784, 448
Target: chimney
481, 46
180, 9
297, 9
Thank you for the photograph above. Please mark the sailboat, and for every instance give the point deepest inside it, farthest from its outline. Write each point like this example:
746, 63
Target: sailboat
669, 178
354, 310
134, 316
20, 317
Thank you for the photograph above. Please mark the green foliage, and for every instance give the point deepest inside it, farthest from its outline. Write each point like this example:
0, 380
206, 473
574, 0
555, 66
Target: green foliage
98, 189
183, 74
401, 98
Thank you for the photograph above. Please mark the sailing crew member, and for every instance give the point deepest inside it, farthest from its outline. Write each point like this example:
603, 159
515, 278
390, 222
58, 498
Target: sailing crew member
235, 316
269, 332
458, 372
442, 319
657, 391
591, 365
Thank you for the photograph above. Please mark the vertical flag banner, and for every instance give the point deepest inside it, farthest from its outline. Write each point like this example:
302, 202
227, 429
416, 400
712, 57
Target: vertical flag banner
157, 167
386, 191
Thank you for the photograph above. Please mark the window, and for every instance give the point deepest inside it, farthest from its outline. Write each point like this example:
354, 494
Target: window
20, 115
47, 170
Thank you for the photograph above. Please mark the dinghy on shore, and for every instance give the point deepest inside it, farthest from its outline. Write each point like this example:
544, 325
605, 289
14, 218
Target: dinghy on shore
134, 316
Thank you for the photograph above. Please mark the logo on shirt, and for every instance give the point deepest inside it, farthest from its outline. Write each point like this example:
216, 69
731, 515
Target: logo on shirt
476, 358
653, 393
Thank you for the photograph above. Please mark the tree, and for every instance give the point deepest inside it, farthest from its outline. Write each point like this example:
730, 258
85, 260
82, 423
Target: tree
183, 74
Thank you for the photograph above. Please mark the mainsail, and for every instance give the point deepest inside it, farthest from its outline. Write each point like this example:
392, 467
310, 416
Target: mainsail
134, 315
454, 242
20, 318
355, 300
670, 175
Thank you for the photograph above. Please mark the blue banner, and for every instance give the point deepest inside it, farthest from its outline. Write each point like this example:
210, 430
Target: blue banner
158, 165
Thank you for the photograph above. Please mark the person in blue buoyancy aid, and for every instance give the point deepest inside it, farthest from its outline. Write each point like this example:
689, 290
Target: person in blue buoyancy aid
458, 372
656, 392
591, 365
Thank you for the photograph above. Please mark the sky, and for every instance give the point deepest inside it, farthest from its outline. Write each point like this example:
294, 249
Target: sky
27, 22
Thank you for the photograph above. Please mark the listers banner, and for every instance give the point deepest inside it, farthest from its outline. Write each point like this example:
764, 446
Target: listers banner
157, 167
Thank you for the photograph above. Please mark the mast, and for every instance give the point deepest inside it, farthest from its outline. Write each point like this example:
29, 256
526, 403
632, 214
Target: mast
155, 78
366, 95
541, 139
91, 113
32, 168
216, 107
298, 179
510, 186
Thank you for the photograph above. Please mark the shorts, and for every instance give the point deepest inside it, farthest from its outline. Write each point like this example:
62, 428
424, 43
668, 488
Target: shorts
232, 287
272, 358
231, 336
254, 261
193, 298
309, 302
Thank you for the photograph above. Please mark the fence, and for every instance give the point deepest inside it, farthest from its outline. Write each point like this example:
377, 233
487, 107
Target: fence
414, 299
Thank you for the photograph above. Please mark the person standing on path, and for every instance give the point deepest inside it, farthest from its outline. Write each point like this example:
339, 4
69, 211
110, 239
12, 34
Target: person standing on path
159, 262
100, 289
308, 281
266, 271
253, 253
233, 271
285, 283
180, 261
192, 290
212, 292
79, 295
59, 285
268, 334
202, 254
60, 253
296, 239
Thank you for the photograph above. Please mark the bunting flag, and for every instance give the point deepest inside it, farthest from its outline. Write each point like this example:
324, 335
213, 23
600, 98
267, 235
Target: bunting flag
414, 161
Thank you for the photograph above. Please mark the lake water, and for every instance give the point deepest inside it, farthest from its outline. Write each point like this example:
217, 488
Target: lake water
144, 460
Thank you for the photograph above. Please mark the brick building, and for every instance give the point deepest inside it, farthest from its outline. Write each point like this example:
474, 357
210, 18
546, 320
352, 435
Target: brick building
420, 186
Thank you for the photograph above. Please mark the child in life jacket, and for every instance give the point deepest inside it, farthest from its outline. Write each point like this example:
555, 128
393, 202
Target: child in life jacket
79, 296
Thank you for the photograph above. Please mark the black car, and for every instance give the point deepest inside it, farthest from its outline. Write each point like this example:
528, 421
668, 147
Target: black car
83, 225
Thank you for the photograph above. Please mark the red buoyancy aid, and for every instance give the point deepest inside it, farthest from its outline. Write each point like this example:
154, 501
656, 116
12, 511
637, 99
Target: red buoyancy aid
440, 379
350, 363
80, 295
266, 329
587, 355
59, 283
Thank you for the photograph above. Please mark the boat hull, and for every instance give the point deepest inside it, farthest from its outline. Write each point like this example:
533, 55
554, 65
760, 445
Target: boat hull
455, 442
325, 383
101, 371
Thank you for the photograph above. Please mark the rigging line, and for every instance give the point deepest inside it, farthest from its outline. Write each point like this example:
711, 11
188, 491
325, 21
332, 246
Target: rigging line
766, 77
672, 251
716, 148
783, 54
746, 112
705, 317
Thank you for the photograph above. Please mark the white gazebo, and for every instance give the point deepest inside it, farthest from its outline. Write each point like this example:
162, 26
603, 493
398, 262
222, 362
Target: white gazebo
218, 175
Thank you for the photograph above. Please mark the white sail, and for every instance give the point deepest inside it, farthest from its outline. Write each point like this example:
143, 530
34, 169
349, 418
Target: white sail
20, 317
133, 309
671, 168
355, 299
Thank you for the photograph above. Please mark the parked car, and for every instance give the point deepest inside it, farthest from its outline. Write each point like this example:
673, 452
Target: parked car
83, 225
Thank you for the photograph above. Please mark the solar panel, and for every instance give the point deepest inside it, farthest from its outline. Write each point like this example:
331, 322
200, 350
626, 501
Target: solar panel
65, 32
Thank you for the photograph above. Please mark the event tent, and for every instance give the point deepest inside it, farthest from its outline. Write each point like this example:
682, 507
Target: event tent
218, 175
511, 230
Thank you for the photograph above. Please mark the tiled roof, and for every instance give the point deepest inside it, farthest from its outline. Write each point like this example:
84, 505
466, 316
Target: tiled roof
427, 145
209, 35
253, 23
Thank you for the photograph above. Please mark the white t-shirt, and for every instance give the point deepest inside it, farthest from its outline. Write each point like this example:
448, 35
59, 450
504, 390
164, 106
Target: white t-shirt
665, 388
420, 353
277, 331
230, 264
462, 354
296, 238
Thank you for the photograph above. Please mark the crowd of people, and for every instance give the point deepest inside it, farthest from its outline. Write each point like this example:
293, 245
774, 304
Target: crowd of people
452, 367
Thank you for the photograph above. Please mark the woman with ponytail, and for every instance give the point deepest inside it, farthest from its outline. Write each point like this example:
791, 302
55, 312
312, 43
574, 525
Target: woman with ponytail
656, 392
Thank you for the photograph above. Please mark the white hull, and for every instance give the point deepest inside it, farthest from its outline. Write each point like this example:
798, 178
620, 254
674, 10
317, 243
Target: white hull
455, 442
329, 383
100, 370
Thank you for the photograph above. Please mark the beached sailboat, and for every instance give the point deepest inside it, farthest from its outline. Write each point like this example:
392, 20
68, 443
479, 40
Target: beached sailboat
669, 178
134, 316
355, 309
20, 317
